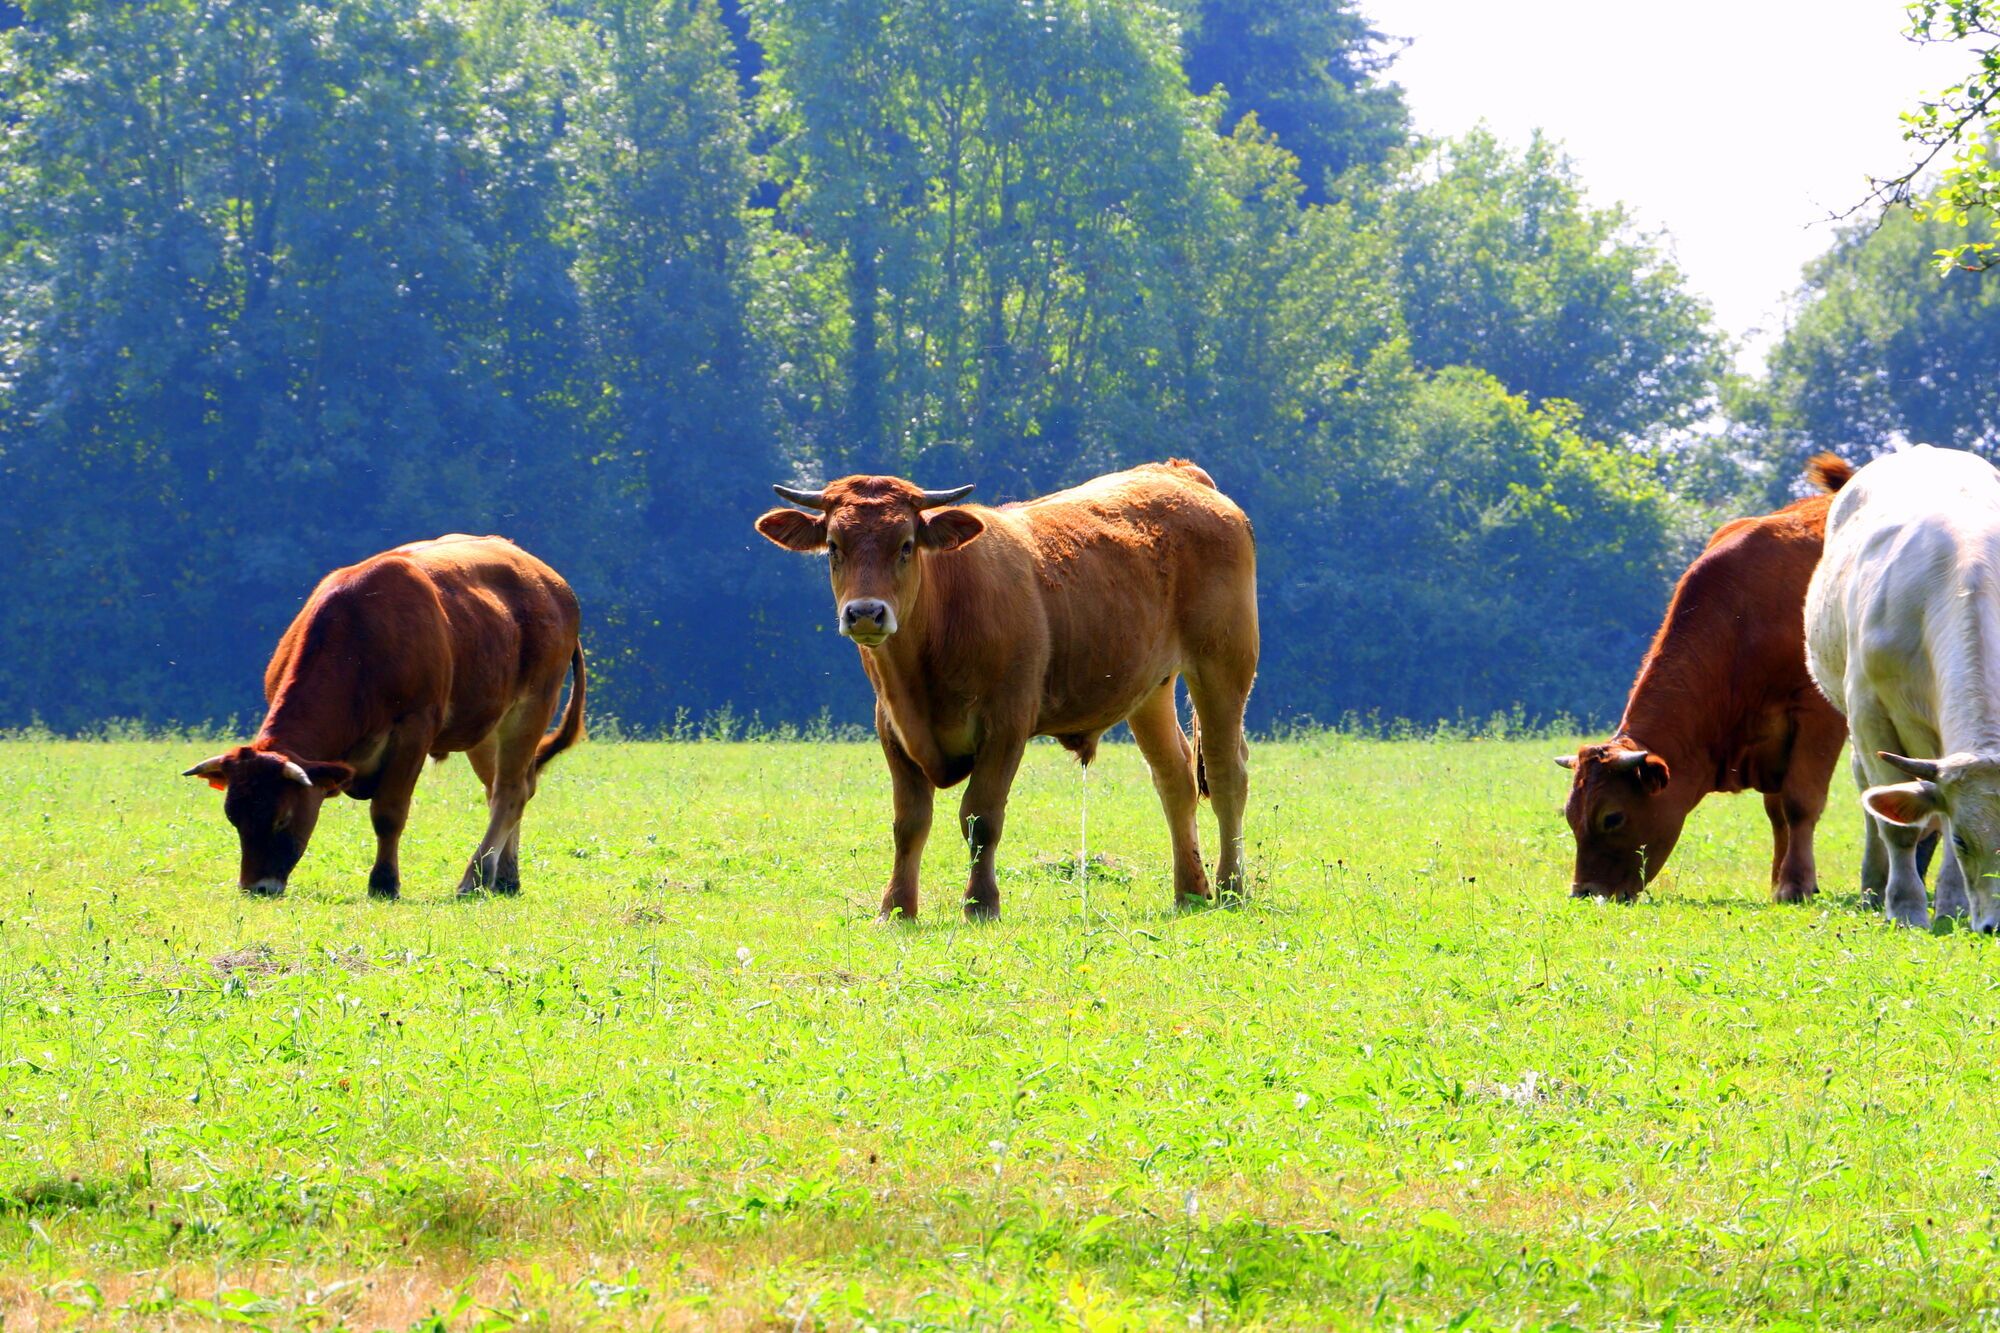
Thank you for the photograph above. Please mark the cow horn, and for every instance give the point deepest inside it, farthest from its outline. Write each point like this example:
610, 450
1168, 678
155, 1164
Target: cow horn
1927, 769
932, 499
207, 768
1566, 761
1627, 761
804, 499
297, 774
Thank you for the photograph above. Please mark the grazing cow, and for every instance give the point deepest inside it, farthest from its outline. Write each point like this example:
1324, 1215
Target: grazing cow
1722, 703
1062, 616
435, 647
1903, 634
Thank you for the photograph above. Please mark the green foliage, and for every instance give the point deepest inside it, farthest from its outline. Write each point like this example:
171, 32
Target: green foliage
1952, 132
284, 284
1503, 265
684, 1081
1008, 195
1881, 348
1311, 71
1491, 539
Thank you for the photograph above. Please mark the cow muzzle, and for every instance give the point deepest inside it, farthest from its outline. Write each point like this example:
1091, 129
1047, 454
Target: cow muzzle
867, 621
1616, 892
267, 887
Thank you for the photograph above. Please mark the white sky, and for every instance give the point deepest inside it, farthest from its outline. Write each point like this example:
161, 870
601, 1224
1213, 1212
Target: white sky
1735, 125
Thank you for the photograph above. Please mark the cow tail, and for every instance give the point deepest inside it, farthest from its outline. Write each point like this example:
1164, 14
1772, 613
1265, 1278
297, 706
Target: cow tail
571, 730
1829, 472
1200, 769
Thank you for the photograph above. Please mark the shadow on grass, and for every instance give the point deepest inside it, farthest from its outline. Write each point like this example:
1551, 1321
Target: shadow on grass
59, 1194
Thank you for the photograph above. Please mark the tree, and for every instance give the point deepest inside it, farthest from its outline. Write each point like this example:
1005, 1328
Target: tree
1310, 71
659, 167
1002, 195
1484, 554
283, 284
1880, 349
1954, 179
1503, 265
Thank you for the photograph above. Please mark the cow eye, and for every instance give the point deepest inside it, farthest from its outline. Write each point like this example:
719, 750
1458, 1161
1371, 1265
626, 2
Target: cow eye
1958, 842
909, 545
833, 555
1614, 821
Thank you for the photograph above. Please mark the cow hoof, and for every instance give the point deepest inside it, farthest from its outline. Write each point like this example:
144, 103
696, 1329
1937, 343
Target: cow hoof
1915, 918
978, 911
387, 893
1794, 893
1193, 902
507, 888
895, 916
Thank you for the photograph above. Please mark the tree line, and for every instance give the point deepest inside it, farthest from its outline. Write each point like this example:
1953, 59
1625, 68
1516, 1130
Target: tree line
283, 283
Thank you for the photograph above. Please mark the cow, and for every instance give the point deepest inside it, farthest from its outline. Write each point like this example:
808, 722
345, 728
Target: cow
1903, 635
1722, 703
455, 644
1062, 616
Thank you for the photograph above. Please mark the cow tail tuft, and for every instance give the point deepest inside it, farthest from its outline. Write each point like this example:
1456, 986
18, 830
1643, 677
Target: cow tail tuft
1200, 769
1829, 472
571, 730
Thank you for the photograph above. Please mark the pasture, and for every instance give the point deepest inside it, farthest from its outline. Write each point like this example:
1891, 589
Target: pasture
685, 1080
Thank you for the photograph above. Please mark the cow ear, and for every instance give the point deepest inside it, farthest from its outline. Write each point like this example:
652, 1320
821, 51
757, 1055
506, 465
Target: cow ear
327, 775
804, 533
1906, 803
949, 529
1654, 774
215, 769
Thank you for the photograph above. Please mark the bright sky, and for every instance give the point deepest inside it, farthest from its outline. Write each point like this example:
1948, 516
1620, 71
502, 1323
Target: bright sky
1735, 125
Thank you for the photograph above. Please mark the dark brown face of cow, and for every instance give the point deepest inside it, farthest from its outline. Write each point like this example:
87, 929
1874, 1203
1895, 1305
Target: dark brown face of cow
875, 531
1624, 830
274, 803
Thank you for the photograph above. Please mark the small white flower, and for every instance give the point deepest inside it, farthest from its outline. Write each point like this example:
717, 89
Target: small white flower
1300, 1101
743, 954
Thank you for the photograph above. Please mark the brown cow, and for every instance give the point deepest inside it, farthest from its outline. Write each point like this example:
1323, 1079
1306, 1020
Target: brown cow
1722, 703
1063, 616
435, 647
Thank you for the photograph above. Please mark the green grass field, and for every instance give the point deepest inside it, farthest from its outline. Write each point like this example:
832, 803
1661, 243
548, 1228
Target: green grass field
685, 1080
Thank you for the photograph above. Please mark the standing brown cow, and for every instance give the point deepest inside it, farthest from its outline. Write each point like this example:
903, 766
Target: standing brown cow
1063, 616
435, 647
1722, 703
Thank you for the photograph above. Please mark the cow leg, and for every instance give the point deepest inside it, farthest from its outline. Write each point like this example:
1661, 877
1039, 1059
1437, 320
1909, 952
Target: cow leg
913, 794
1874, 851
1808, 774
1798, 874
1774, 810
1157, 729
1219, 698
982, 818
485, 758
389, 811
1903, 898
493, 869
1952, 897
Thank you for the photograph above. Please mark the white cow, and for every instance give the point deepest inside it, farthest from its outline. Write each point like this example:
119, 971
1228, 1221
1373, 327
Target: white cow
1903, 635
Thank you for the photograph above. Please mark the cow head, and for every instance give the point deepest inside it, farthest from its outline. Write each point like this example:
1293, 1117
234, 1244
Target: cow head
274, 802
1962, 792
1624, 827
875, 532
